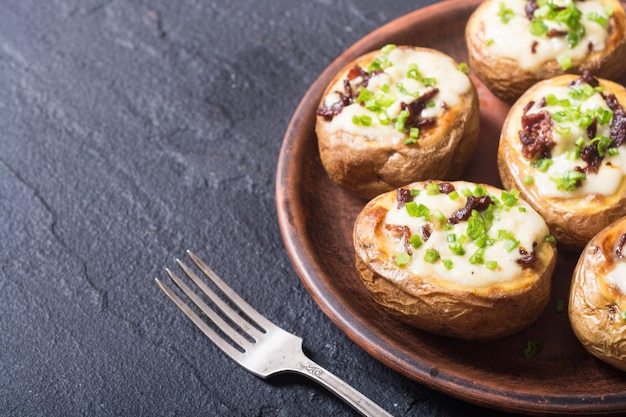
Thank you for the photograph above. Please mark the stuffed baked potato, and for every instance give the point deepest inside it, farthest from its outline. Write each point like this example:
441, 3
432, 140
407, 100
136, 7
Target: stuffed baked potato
597, 304
563, 145
397, 115
512, 44
455, 258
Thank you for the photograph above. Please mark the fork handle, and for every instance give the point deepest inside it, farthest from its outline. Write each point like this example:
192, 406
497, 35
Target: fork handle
351, 396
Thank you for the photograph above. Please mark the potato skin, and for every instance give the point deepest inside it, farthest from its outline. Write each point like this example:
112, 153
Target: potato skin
573, 221
369, 167
443, 307
507, 80
594, 311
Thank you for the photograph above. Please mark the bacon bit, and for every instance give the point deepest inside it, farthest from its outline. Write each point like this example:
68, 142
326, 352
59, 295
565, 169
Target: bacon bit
347, 95
415, 109
619, 250
555, 33
530, 8
590, 155
426, 231
403, 196
528, 106
345, 99
590, 47
357, 71
527, 259
586, 78
533, 47
536, 135
473, 203
618, 123
403, 233
446, 187
592, 129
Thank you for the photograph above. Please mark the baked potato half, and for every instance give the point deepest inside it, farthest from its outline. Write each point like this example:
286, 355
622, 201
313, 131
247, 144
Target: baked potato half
397, 115
597, 303
563, 145
455, 258
513, 44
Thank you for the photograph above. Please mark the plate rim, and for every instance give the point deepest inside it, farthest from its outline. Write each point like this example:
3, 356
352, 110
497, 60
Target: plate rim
454, 384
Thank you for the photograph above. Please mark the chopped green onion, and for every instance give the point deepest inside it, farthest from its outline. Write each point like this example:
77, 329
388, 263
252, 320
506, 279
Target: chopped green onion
569, 180
415, 241
533, 347
363, 120
510, 198
432, 188
402, 259
562, 130
505, 13
415, 210
457, 248
464, 68
542, 165
509, 245
491, 265
413, 72
453, 195
401, 120
550, 239
538, 27
406, 92
387, 48
431, 256
479, 191
478, 257
565, 62
560, 305
528, 179
448, 264
429, 81
551, 100
440, 216
475, 226
602, 144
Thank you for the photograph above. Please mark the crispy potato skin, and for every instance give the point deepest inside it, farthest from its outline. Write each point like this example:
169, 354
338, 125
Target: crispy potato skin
508, 81
573, 221
368, 167
594, 310
443, 307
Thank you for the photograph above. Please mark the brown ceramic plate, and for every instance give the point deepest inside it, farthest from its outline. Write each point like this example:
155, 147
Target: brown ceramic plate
316, 219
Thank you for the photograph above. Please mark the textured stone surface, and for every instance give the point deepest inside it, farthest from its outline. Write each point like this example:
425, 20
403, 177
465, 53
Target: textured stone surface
129, 132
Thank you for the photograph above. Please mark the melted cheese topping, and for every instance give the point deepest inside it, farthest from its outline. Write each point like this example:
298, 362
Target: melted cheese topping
508, 32
566, 133
399, 84
513, 227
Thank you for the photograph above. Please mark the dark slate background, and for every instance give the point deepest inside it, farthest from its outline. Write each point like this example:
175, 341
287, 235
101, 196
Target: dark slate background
129, 132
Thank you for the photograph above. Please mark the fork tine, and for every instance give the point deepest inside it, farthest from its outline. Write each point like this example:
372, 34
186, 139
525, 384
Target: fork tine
210, 313
210, 333
257, 317
225, 308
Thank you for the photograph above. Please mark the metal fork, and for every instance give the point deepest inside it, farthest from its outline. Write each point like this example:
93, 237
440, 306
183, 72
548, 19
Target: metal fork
253, 341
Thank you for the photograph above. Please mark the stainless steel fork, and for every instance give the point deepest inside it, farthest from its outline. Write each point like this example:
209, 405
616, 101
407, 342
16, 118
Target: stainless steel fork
253, 341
